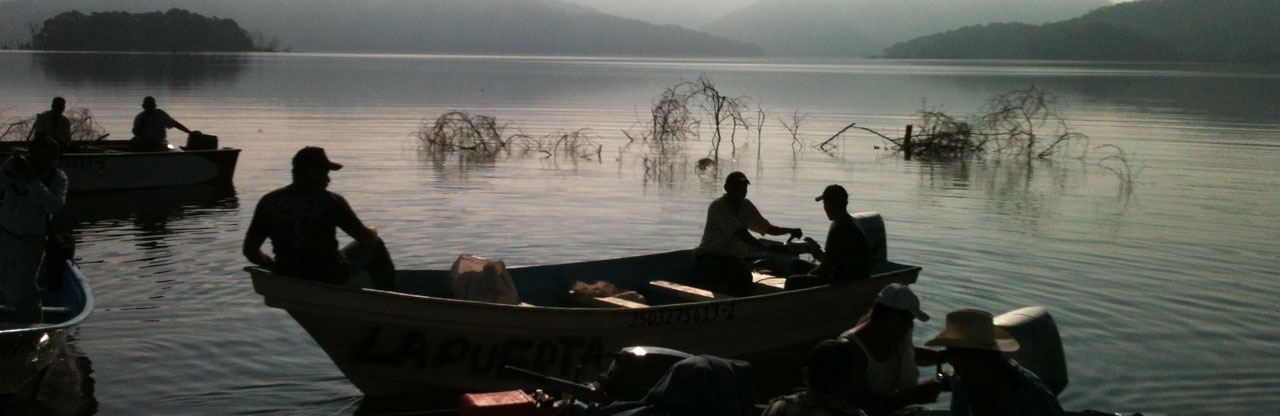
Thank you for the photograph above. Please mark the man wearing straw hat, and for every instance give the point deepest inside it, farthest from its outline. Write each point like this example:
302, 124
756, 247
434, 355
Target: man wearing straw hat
988, 384
885, 361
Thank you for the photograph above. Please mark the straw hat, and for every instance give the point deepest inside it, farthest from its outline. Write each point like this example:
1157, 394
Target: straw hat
973, 329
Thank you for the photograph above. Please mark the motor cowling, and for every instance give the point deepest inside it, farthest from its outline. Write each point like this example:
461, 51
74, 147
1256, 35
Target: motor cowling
1040, 347
636, 369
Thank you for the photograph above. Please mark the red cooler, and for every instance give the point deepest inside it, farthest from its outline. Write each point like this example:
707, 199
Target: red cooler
503, 403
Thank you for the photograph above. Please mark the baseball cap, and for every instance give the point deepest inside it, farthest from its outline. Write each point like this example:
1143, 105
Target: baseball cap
900, 297
833, 193
311, 156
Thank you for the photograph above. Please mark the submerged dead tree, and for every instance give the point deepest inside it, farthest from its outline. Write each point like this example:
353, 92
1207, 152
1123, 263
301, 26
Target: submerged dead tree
84, 127
485, 137
1019, 124
674, 117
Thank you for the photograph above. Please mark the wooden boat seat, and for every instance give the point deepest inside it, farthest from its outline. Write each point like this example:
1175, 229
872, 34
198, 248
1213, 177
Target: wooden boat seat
581, 299
685, 292
45, 309
767, 283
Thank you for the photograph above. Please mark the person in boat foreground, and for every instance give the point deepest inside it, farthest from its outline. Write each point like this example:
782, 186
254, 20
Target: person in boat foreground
150, 128
302, 219
730, 220
33, 190
884, 359
848, 255
52, 124
987, 383
829, 376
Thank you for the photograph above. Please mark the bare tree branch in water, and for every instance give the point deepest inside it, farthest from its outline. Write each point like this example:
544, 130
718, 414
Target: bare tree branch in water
794, 128
484, 137
84, 127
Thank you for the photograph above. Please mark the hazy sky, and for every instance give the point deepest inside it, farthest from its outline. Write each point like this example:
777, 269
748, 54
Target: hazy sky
688, 13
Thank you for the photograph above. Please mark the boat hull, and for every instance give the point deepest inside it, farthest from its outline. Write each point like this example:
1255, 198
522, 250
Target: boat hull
398, 344
106, 166
26, 351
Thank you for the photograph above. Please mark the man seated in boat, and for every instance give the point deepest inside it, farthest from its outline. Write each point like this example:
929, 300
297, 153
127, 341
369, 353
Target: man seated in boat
52, 124
885, 361
988, 383
848, 255
726, 236
302, 219
150, 128
828, 376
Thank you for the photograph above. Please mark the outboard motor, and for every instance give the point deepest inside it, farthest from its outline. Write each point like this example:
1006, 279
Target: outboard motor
1040, 346
636, 369
873, 227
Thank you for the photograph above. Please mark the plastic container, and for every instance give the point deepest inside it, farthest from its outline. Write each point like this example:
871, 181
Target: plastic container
502, 403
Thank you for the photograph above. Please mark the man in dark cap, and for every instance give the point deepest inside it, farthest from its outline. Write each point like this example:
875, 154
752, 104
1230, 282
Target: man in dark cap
302, 219
52, 124
150, 128
847, 255
726, 236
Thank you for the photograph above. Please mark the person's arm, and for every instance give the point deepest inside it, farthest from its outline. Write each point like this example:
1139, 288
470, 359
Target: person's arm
179, 126
253, 249
756, 222
256, 236
175, 124
51, 197
351, 224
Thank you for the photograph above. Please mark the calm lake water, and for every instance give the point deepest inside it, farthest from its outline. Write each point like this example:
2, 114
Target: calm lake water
1165, 292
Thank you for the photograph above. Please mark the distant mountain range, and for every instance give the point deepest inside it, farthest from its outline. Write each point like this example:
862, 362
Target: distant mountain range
414, 26
851, 28
1171, 30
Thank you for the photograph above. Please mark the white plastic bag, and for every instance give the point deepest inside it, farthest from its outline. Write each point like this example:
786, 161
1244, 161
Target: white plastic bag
479, 279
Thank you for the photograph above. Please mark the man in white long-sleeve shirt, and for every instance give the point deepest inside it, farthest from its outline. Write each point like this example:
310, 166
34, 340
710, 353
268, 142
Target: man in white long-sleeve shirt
33, 190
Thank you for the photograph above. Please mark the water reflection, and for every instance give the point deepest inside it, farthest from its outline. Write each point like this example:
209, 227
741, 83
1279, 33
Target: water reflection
150, 209
172, 70
66, 388
1024, 192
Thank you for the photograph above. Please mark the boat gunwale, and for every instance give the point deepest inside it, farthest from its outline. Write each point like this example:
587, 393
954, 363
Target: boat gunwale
257, 272
76, 320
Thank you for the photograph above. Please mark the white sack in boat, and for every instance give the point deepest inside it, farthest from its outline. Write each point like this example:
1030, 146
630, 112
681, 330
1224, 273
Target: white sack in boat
479, 279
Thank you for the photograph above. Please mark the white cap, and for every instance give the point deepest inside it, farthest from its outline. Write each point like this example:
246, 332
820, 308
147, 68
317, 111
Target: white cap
900, 297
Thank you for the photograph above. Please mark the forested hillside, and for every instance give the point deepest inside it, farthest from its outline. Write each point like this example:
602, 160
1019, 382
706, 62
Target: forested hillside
1184, 30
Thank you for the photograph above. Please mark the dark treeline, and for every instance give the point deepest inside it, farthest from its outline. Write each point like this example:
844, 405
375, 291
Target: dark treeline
1167, 30
541, 27
176, 30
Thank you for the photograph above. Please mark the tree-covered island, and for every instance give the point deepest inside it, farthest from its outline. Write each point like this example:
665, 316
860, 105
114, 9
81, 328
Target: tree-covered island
175, 30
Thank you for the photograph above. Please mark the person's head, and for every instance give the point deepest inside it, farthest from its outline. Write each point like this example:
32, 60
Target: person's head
735, 185
43, 153
311, 167
896, 310
835, 201
829, 370
58, 106
974, 344
149, 103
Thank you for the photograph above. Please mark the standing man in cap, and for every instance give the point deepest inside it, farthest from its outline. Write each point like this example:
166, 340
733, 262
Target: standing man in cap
302, 219
52, 124
726, 236
33, 190
150, 128
885, 372
988, 384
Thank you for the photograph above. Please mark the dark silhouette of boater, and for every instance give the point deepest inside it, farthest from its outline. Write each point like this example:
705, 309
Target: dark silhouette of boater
149, 128
52, 124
